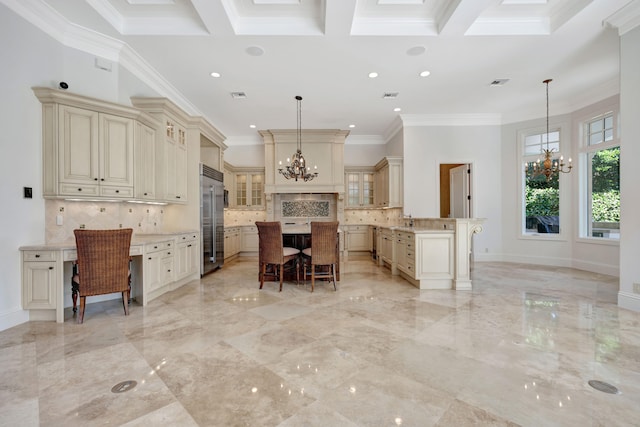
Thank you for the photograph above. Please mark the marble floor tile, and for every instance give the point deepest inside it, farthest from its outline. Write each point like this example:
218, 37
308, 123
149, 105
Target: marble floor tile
519, 349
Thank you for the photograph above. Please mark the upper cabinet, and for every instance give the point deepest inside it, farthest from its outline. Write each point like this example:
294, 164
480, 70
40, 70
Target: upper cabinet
173, 180
88, 146
359, 185
389, 183
245, 186
145, 161
95, 154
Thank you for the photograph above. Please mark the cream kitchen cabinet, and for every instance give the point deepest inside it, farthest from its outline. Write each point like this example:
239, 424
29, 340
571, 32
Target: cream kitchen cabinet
385, 246
249, 239
232, 241
145, 161
187, 255
175, 146
158, 264
389, 183
90, 148
171, 148
40, 271
95, 154
359, 183
357, 238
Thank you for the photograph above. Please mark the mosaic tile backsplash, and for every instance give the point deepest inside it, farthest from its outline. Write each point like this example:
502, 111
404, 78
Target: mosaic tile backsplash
305, 209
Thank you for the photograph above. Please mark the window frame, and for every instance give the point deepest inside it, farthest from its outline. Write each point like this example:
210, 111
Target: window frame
585, 176
564, 145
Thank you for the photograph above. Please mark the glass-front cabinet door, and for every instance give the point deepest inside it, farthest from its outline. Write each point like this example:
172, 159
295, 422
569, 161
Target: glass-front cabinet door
360, 187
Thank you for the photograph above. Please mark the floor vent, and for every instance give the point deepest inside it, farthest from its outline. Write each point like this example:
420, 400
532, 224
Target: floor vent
604, 387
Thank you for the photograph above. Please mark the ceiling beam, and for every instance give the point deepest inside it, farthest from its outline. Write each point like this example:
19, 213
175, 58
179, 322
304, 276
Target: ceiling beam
339, 15
460, 15
214, 17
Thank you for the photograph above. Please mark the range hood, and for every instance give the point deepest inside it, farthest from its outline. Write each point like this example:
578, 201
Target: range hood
323, 148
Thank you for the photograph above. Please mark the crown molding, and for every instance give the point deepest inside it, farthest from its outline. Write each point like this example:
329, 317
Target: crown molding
365, 140
51, 22
479, 119
625, 19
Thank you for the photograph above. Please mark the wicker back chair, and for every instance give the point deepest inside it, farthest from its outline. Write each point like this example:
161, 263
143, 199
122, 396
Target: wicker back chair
323, 252
103, 264
272, 252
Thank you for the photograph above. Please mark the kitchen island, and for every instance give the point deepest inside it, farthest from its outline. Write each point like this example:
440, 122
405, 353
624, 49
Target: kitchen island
432, 254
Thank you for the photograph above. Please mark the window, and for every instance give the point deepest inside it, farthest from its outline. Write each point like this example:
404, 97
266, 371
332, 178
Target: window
601, 156
541, 214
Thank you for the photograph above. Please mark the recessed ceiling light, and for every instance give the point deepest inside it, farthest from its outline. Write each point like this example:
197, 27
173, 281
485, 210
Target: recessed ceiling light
254, 51
252, 126
397, 109
373, 75
425, 73
214, 74
416, 50
352, 126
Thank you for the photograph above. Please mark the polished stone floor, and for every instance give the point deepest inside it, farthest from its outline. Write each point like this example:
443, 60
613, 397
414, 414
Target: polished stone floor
519, 349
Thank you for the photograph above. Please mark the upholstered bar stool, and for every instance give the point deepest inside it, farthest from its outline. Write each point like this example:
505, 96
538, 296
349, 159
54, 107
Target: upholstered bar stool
273, 252
323, 252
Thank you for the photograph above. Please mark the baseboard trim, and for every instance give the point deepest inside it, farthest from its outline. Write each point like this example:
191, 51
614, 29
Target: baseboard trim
12, 318
629, 301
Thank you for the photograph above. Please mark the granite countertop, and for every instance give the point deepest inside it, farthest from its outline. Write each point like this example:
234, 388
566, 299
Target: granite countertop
136, 240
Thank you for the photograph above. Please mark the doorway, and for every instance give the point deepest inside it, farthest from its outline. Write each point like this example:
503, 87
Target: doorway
455, 190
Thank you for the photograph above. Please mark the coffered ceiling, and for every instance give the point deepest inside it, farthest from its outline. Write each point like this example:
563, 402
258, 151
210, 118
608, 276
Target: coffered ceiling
486, 58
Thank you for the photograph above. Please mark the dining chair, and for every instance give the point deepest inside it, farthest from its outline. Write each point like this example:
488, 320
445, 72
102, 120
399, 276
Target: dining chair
103, 264
273, 253
323, 252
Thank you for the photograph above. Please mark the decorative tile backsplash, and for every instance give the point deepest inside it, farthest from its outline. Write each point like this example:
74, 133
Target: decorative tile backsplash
305, 209
142, 218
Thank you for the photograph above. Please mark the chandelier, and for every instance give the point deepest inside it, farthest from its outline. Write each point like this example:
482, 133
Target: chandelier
297, 167
548, 167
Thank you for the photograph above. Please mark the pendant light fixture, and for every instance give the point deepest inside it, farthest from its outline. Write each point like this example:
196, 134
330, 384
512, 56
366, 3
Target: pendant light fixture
297, 168
548, 167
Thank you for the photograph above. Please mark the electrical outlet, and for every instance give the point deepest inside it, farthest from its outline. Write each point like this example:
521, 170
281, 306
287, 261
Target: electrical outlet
82, 226
636, 288
27, 192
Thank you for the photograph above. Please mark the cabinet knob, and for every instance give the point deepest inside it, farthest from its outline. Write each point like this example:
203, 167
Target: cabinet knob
188, 246
79, 189
95, 179
177, 197
145, 194
101, 179
50, 268
117, 191
37, 255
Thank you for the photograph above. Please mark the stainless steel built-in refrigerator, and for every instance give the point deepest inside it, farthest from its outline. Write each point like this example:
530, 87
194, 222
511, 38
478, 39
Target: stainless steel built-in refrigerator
211, 219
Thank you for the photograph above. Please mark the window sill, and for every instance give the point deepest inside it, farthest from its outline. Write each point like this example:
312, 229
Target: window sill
598, 241
544, 237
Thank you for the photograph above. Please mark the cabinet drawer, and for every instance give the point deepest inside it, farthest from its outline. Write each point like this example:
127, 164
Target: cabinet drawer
40, 255
78, 190
158, 246
70, 255
117, 192
190, 237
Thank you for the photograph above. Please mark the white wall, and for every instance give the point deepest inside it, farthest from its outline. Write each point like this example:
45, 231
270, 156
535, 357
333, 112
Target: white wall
31, 58
426, 147
629, 170
363, 154
244, 155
